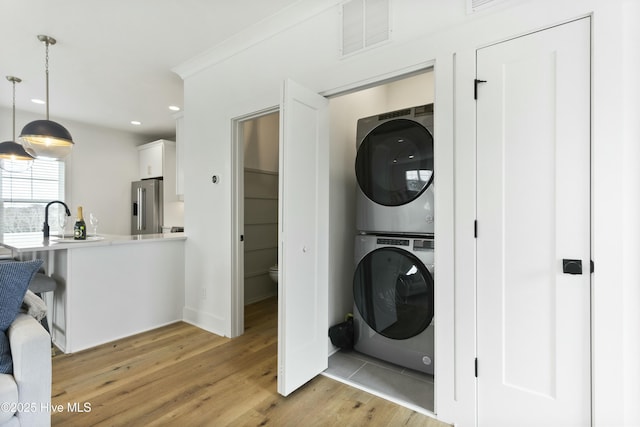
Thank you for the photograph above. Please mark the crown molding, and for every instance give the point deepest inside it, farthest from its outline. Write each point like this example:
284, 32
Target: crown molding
287, 18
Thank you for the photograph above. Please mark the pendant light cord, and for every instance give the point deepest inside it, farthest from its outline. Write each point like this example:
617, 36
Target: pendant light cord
14, 110
14, 80
46, 67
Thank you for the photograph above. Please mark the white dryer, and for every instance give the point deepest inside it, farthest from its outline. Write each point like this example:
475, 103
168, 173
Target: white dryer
393, 291
394, 170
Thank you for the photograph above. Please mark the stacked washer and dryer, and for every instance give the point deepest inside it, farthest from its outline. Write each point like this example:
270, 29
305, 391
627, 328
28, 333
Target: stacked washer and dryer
393, 286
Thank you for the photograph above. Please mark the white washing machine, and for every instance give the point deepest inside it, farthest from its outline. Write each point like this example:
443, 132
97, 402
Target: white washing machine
394, 169
393, 292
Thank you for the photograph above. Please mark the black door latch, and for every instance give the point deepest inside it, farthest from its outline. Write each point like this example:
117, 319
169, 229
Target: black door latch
572, 266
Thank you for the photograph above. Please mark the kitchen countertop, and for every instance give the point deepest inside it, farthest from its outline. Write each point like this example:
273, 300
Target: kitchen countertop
27, 242
100, 279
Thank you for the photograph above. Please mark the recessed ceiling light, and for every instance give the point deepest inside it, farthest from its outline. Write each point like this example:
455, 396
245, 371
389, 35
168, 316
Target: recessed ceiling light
174, 108
136, 123
37, 101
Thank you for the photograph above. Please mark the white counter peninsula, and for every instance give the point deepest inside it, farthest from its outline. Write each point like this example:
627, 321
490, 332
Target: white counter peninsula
109, 287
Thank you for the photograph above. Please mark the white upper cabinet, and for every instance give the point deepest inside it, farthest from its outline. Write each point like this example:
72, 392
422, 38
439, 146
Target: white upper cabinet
158, 160
150, 158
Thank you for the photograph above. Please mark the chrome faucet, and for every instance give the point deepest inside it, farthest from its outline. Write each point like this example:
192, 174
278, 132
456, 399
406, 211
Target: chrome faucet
45, 227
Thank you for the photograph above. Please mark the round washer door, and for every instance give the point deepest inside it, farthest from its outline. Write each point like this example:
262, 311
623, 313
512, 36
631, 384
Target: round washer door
393, 292
394, 163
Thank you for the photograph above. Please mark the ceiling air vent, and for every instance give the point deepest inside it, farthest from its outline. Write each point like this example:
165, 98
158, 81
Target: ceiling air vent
475, 5
365, 23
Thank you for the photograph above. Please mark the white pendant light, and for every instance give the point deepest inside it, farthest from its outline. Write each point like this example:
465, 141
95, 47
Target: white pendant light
46, 138
13, 157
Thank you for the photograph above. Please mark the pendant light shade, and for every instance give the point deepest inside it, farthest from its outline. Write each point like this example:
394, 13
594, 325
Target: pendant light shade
13, 157
46, 138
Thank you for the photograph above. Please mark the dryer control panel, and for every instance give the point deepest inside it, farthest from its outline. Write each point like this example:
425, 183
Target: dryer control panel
415, 244
392, 242
422, 245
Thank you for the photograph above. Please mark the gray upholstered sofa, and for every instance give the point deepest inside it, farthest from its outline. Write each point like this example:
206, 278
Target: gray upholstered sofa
25, 396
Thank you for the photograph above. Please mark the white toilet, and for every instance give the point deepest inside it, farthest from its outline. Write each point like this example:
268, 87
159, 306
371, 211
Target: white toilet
273, 273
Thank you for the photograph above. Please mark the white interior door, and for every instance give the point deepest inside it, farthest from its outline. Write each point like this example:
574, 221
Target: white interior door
304, 233
533, 211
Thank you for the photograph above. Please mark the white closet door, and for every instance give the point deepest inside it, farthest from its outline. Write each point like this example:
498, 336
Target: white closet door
304, 233
533, 211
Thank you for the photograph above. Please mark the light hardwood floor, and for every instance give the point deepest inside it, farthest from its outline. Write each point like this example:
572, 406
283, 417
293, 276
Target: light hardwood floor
181, 375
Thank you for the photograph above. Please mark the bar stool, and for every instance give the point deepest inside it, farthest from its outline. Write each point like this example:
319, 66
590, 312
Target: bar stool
40, 284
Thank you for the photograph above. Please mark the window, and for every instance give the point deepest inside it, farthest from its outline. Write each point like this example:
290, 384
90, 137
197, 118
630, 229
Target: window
25, 195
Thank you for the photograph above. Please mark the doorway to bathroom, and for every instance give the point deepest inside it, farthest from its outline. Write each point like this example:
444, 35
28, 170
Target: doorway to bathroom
257, 157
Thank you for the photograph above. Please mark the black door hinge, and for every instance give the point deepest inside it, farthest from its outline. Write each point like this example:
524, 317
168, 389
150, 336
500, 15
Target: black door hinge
475, 229
475, 367
475, 87
592, 266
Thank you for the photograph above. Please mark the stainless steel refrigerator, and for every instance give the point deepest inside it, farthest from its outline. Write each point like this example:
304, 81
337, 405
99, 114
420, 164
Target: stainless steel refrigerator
146, 206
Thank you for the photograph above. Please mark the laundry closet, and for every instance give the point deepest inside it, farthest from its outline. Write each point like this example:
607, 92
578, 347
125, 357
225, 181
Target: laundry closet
380, 363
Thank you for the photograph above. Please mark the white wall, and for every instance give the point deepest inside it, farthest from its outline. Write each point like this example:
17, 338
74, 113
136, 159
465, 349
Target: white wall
631, 102
99, 170
225, 86
261, 139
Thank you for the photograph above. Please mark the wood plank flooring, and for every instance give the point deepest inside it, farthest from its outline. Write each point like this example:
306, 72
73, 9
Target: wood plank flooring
181, 375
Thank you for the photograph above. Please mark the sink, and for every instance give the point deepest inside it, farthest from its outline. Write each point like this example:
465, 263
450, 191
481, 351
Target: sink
72, 240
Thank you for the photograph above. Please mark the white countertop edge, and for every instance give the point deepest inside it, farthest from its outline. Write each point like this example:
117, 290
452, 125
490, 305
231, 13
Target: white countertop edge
37, 243
142, 238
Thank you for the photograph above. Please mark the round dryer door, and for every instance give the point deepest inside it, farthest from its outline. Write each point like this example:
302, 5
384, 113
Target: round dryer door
393, 292
394, 164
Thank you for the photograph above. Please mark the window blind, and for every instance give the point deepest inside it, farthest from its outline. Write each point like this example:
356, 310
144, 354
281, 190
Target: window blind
25, 195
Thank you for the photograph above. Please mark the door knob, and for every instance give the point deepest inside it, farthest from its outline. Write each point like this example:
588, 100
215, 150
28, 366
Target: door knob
572, 266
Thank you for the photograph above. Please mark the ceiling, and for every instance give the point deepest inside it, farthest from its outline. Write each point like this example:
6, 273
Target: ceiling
112, 61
